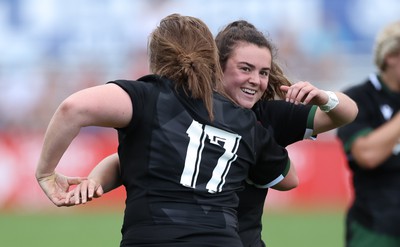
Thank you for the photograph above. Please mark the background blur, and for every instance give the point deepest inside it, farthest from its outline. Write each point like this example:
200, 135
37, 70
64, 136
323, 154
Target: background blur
52, 48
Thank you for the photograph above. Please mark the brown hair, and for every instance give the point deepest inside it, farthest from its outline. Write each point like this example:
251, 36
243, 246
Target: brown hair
183, 50
242, 31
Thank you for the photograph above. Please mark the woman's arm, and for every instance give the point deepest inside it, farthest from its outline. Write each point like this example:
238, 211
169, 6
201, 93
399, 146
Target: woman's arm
343, 113
290, 181
104, 177
372, 150
107, 106
107, 173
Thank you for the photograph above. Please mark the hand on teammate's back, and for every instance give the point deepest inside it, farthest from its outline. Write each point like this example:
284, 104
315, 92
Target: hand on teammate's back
84, 192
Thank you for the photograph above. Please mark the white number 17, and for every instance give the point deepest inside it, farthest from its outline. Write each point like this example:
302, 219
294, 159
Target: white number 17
197, 134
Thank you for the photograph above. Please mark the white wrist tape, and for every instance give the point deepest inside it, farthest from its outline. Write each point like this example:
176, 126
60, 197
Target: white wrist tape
333, 101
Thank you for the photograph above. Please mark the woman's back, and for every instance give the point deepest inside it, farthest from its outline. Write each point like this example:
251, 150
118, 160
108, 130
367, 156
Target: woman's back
181, 170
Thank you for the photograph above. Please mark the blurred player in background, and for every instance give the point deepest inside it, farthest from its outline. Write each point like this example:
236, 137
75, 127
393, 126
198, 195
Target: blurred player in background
372, 145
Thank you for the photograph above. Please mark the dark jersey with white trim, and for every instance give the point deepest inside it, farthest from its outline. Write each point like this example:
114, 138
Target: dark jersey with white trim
181, 171
377, 191
288, 123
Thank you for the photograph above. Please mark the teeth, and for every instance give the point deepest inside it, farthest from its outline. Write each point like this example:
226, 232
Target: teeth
246, 90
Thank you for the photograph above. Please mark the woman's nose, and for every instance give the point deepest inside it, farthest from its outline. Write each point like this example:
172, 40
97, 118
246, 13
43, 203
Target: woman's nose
255, 78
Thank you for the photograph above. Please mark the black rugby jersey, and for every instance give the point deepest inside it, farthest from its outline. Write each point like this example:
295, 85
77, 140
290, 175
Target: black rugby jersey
288, 123
377, 191
179, 168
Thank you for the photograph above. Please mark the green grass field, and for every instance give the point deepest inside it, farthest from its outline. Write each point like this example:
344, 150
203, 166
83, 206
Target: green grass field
304, 228
66, 229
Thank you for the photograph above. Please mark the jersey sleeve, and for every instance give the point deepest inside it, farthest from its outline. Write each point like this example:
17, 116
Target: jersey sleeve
272, 163
287, 122
139, 92
361, 126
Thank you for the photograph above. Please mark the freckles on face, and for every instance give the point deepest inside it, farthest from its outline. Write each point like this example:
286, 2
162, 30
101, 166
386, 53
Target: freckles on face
246, 74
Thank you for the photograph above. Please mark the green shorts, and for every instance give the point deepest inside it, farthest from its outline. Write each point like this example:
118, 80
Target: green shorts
360, 236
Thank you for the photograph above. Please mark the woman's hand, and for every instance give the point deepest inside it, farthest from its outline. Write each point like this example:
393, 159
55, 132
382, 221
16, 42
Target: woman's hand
56, 187
304, 92
85, 191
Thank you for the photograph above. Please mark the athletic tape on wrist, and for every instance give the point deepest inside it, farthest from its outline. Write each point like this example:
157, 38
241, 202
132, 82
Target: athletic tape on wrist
333, 101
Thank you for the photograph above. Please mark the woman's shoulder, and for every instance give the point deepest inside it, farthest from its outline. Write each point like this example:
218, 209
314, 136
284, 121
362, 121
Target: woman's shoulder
145, 82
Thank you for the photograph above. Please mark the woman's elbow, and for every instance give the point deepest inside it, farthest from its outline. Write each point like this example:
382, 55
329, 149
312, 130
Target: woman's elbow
351, 113
73, 112
292, 183
288, 183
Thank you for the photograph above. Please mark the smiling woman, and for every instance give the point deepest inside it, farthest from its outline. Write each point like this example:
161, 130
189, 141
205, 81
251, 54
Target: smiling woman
248, 58
246, 73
